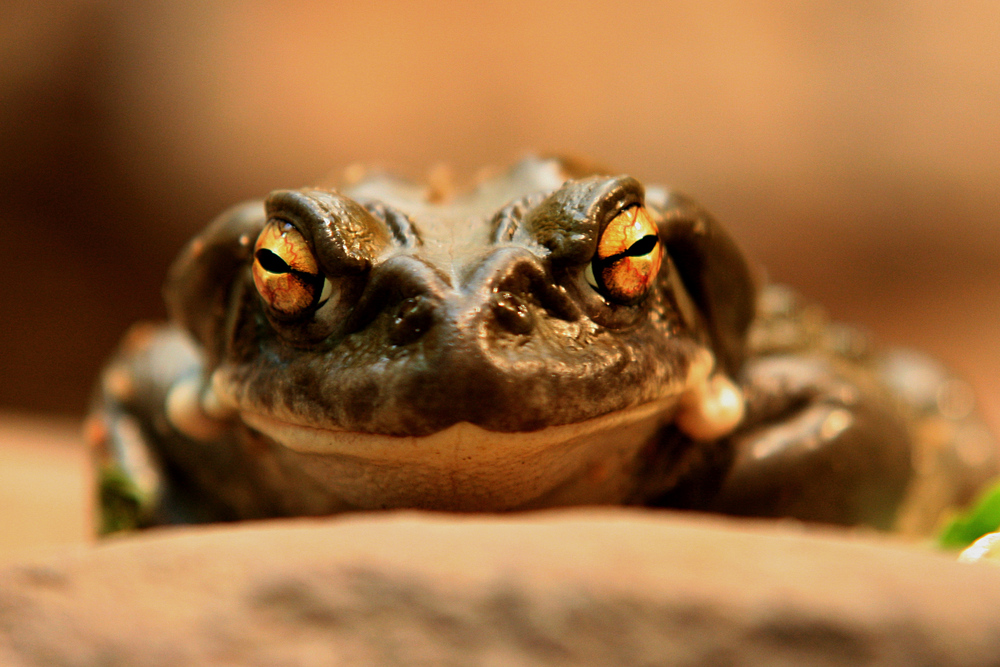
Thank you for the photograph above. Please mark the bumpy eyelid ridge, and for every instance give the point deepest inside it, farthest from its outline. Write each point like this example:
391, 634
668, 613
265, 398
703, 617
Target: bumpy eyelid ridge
570, 220
344, 236
630, 194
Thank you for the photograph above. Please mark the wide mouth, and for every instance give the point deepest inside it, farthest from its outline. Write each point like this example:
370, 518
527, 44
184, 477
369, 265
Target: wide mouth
457, 441
466, 467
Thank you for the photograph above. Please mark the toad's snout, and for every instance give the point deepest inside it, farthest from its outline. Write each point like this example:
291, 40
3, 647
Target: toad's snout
507, 292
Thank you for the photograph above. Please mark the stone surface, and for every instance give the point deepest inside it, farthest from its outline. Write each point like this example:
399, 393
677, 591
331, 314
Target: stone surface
601, 587
46, 492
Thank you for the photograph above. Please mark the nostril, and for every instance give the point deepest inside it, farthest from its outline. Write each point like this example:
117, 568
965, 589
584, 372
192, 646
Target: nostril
414, 317
511, 313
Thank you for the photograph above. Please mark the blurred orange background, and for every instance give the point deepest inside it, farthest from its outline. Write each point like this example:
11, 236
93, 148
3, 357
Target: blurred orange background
852, 148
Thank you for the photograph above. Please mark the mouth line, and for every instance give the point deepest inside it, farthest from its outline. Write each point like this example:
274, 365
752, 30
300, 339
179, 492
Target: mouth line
461, 439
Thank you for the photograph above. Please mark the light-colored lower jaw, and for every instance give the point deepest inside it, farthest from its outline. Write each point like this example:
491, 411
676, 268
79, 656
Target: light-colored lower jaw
468, 468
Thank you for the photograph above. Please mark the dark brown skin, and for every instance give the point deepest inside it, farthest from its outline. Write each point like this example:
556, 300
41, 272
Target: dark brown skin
542, 300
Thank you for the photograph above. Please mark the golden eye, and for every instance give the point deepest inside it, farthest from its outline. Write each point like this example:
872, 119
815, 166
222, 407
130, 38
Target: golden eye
628, 257
285, 271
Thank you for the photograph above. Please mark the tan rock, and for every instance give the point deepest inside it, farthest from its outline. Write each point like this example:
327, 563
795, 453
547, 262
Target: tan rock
601, 587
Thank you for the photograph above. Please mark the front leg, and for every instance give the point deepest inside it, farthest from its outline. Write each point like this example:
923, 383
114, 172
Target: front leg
165, 452
841, 433
135, 439
823, 442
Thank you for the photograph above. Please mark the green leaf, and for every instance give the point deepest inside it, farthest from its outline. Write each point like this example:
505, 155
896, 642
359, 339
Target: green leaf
983, 517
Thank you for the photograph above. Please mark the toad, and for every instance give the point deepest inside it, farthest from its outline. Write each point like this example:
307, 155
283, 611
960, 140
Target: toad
554, 336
